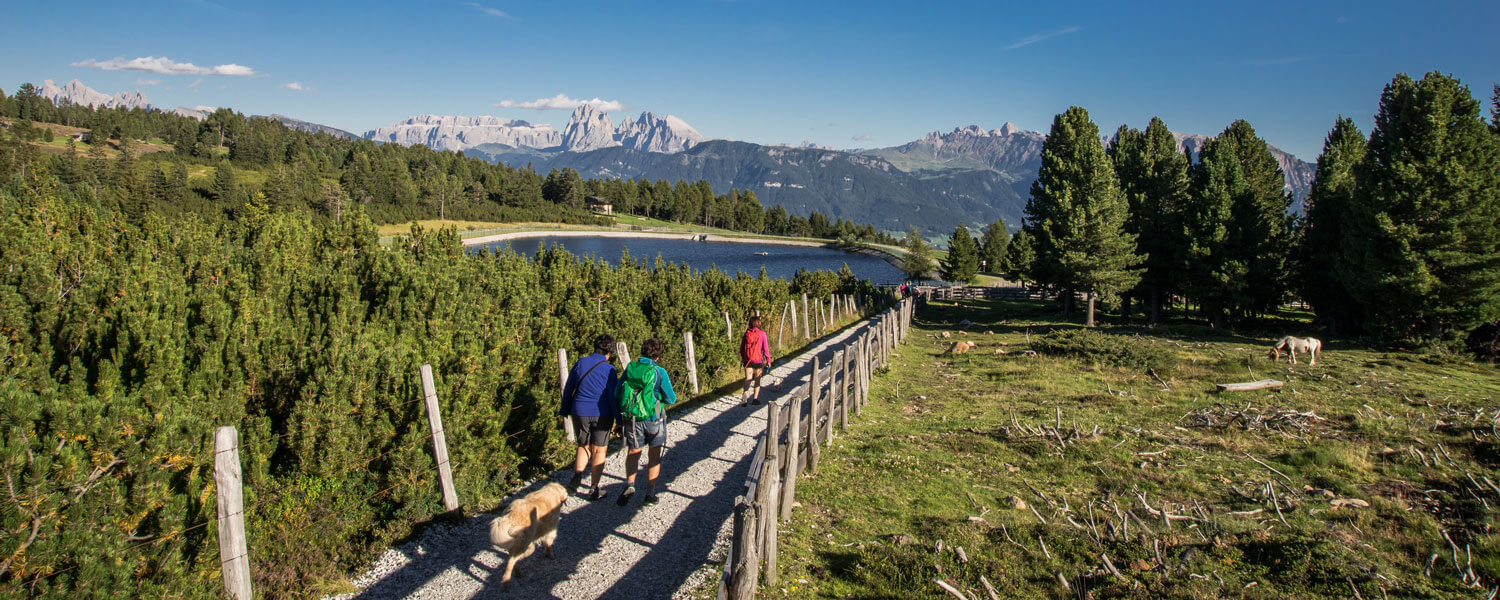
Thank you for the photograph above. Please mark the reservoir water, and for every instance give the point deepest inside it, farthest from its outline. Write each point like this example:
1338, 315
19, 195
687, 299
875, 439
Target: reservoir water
779, 261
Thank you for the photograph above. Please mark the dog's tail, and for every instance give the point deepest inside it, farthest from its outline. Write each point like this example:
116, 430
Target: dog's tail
500, 532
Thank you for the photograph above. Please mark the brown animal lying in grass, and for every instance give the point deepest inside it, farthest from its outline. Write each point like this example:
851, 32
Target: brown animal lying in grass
529, 520
959, 348
1311, 346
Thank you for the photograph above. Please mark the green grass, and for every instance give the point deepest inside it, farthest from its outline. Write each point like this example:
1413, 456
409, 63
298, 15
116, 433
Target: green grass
949, 437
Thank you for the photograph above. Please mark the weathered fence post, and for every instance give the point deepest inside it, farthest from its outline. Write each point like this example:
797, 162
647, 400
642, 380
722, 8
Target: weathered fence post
439, 440
847, 354
728, 329
832, 398
793, 439
780, 326
232, 541
772, 470
806, 319
562, 385
692, 361
812, 419
743, 580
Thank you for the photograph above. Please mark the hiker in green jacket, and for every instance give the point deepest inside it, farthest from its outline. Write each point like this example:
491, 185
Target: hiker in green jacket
644, 389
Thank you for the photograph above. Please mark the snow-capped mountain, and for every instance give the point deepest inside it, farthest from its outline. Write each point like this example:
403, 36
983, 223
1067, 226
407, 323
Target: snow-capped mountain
458, 133
78, 94
588, 129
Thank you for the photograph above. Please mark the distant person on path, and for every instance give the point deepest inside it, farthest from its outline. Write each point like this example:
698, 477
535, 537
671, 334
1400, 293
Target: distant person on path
590, 399
644, 388
755, 353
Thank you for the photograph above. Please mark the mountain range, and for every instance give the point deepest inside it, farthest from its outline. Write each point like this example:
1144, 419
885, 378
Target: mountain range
969, 175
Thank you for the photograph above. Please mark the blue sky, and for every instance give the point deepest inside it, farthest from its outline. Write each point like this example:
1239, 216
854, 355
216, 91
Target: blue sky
843, 74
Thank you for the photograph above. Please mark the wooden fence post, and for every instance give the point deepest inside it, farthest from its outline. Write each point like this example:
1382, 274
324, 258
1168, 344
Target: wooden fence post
793, 439
780, 326
833, 376
692, 361
743, 579
772, 473
847, 354
232, 541
439, 440
562, 386
728, 329
806, 319
812, 419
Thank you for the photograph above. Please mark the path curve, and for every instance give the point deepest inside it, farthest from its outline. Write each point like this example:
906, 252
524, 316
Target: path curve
604, 550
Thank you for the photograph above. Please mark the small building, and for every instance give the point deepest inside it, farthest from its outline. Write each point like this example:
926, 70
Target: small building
600, 205
82, 137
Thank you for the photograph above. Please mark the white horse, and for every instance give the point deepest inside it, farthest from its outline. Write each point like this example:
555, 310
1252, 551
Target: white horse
1311, 346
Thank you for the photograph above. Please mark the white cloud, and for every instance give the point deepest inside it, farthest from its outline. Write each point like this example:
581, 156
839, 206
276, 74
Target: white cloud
1032, 39
144, 81
562, 102
493, 12
296, 87
862, 137
162, 65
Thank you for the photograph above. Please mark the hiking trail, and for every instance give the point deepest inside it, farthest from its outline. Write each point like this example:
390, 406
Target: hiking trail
604, 550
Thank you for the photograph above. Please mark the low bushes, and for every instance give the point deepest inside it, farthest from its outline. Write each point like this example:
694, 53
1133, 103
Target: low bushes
1130, 352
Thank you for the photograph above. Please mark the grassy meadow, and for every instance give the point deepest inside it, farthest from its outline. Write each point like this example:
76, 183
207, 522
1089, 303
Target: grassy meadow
1372, 474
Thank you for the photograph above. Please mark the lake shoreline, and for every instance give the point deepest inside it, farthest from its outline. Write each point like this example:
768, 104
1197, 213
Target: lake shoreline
884, 255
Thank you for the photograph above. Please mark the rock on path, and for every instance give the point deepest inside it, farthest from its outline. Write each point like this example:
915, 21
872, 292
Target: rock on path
604, 550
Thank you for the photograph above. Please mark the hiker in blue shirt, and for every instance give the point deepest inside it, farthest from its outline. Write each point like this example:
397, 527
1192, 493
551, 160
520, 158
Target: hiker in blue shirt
644, 388
591, 399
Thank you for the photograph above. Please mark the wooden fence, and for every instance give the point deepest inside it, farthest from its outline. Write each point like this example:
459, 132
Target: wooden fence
978, 293
819, 316
798, 426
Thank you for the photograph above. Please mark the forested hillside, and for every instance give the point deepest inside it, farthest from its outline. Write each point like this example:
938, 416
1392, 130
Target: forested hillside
147, 299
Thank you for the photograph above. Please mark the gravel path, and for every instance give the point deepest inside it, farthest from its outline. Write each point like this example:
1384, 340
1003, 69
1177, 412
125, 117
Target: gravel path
604, 550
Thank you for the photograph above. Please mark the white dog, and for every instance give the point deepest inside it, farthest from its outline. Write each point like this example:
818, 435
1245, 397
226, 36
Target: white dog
1311, 346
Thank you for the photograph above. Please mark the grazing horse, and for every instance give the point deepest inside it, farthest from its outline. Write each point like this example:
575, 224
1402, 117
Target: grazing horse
1311, 346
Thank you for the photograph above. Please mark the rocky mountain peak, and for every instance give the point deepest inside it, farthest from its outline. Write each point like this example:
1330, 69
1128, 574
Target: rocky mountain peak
588, 129
653, 133
1008, 128
75, 92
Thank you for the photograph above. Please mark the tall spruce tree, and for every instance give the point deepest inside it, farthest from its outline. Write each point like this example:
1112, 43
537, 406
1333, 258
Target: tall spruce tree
1424, 254
1262, 224
1020, 257
1323, 229
962, 263
225, 189
1216, 275
918, 260
992, 247
1077, 214
1153, 176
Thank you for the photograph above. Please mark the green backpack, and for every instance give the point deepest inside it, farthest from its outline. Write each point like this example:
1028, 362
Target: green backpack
638, 391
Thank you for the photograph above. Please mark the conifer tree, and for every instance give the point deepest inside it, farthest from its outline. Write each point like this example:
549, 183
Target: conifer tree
1154, 178
993, 246
1424, 251
1077, 214
1324, 228
1020, 256
1216, 276
918, 260
1262, 227
225, 189
962, 262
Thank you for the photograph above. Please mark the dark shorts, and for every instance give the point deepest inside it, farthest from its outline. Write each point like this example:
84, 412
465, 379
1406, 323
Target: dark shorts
755, 365
639, 434
592, 431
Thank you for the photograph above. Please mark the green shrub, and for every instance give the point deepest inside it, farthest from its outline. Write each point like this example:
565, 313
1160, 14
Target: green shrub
1131, 352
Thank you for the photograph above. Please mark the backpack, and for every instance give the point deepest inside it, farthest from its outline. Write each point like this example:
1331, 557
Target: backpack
638, 391
750, 345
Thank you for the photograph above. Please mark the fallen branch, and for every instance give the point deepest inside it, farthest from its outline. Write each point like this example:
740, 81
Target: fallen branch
1273, 469
950, 589
1264, 384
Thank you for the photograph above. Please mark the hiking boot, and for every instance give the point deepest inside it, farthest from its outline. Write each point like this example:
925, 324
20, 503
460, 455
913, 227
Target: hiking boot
650, 500
597, 494
626, 495
573, 484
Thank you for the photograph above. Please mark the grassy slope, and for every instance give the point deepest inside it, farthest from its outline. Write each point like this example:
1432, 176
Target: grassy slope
939, 444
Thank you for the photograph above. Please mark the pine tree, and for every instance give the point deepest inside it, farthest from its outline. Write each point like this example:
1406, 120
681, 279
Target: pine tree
1262, 228
1424, 250
1020, 257
918, 260
1077, 214
225, 189
1154, 178
993, 246
1216, 276
1324, 228
962, 263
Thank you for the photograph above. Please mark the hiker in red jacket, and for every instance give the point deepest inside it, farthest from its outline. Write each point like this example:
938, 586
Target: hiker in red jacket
755, 353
